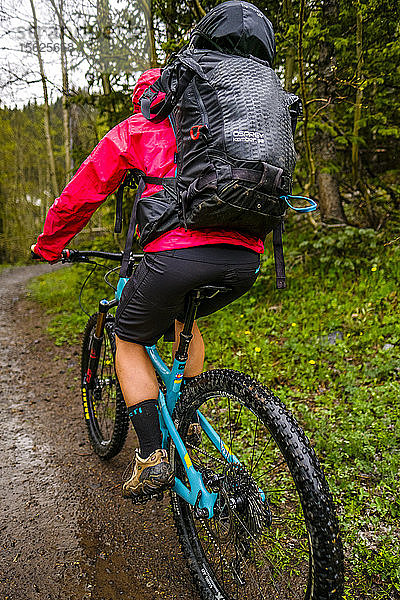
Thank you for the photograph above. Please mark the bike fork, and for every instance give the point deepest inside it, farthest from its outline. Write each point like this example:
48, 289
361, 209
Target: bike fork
97, 341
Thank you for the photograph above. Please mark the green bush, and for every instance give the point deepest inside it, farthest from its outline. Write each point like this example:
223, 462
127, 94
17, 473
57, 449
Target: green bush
347, 248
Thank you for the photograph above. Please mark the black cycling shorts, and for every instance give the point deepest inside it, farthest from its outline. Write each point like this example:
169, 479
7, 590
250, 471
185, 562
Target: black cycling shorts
155, 294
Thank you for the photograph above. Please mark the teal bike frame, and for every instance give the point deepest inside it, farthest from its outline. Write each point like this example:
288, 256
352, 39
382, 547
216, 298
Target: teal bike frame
197, 495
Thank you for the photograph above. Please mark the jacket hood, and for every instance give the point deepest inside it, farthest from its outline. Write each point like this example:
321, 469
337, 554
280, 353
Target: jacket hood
236, 27
144, 81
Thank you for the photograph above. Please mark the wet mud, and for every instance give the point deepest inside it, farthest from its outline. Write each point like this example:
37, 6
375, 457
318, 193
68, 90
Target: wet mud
66, 532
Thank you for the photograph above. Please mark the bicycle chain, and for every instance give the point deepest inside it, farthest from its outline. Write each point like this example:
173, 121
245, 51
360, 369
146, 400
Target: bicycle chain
212, 539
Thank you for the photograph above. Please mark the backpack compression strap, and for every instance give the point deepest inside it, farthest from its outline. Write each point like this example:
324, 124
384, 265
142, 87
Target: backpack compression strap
277, 181
278, 256
173, 81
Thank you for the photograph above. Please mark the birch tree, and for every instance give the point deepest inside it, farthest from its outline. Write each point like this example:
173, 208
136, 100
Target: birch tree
65, 93
46, 107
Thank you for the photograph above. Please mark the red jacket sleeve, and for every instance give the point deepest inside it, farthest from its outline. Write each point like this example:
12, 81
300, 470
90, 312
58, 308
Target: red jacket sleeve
98, 176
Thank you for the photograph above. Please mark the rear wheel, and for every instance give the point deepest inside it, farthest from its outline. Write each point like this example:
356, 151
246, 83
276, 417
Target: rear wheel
274, 533
103, 404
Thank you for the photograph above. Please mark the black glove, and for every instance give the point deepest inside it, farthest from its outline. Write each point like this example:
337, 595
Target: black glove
35, 256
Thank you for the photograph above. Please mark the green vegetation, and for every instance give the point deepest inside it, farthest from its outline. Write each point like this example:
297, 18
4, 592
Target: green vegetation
341, 57
328, 346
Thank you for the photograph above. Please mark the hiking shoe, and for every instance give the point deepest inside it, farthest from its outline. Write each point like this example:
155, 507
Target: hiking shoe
150, 476
193, 436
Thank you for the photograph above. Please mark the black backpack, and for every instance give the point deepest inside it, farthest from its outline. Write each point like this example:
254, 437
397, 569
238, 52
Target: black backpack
234, 127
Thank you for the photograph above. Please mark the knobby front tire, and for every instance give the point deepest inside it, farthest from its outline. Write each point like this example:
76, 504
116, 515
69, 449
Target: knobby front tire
103, 405
286, 546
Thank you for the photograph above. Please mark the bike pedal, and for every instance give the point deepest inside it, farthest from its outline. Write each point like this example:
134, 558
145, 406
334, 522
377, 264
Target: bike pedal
140, 500
145, 498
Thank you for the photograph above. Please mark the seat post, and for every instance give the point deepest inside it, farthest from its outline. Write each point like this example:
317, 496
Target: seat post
186, 333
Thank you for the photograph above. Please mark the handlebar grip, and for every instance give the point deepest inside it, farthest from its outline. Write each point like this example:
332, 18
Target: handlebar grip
69, 255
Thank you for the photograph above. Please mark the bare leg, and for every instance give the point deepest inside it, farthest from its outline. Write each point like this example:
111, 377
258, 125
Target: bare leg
135, 372
194, 365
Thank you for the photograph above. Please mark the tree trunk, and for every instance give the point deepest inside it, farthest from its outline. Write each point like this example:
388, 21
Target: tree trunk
52, 165
325, 151
65, 108
290, 54
171, 21
200, 9
148, 15
303, 94
104, 25
359, 97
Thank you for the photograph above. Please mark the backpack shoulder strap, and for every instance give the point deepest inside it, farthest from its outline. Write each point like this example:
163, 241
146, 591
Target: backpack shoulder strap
139, 176
128, 180
147, 99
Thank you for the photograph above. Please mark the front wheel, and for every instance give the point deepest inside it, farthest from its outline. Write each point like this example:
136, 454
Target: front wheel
274, 533
103, 404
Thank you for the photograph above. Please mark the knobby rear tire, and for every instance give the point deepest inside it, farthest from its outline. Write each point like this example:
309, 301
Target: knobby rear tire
104, 408
305, 536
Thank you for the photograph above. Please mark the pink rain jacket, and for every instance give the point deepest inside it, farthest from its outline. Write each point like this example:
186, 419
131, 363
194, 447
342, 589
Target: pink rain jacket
133, 144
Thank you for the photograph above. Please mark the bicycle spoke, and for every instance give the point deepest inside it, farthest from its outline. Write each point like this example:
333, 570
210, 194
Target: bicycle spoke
254, 447
230, 424
262, 452
237, 420
269, 471
220, 553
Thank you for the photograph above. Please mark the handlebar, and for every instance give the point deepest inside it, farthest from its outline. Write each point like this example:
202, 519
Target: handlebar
84, 256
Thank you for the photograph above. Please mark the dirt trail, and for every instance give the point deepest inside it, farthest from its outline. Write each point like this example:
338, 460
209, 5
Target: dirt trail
65, 530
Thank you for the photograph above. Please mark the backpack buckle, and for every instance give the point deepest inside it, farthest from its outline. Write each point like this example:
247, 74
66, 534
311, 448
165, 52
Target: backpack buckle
196, 130
271, 174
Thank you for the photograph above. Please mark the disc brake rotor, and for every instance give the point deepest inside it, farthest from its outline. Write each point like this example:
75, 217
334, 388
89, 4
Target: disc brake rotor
247, 506
240, 512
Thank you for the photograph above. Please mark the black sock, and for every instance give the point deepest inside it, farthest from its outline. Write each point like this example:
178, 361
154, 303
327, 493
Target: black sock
144, 417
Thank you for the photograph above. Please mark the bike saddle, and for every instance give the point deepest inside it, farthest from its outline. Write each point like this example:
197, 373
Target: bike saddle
209, 291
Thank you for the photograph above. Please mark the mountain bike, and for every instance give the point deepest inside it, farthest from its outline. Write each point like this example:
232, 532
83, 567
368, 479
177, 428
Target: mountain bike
250, 501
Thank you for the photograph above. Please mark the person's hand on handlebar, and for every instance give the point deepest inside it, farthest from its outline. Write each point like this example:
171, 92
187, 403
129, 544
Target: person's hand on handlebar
39, 258
35, 256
